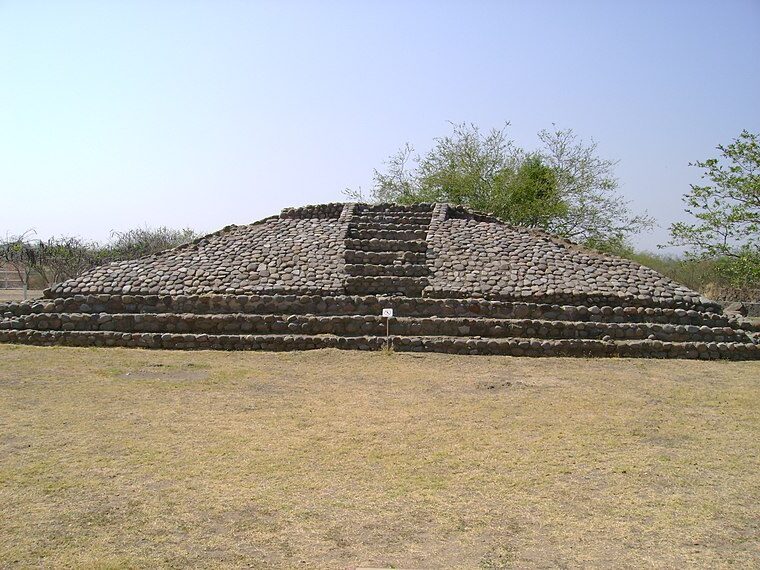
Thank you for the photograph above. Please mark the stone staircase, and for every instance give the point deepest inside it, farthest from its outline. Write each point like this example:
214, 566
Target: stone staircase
386, 250
289, 322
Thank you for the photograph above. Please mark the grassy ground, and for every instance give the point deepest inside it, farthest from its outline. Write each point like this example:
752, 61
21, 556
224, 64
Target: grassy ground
114, 458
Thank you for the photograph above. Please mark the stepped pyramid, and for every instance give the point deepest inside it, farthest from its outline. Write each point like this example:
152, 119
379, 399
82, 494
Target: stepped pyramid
319, 276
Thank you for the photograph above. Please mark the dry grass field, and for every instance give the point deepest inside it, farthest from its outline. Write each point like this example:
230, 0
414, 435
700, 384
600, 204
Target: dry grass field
113, 458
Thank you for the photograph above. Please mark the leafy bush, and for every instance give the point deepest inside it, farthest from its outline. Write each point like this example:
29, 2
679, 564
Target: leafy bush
42, 263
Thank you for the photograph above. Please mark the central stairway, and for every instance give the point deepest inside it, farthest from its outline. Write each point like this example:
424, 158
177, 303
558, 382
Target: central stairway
386, 250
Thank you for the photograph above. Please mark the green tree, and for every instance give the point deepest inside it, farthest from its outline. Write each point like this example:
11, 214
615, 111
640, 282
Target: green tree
596, 215
563, 187
726, 212
529, 195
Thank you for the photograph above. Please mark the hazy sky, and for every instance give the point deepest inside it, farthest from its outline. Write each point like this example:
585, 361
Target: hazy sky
115, 114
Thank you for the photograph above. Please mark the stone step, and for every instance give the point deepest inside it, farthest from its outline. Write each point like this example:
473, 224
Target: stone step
361, 305
452, 345
382, 226
389, 218
399, 270
386, 245
387, 234
373, 208
388, 285
355, 325
355, 256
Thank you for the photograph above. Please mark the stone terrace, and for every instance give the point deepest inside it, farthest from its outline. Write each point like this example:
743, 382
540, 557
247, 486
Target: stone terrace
319, 276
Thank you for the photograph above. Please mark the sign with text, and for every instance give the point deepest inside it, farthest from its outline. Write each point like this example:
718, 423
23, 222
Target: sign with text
387, 312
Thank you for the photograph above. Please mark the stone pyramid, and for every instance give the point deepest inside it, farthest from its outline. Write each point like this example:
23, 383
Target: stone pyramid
319, 276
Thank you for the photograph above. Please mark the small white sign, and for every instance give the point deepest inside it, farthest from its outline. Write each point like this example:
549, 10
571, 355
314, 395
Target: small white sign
387, 312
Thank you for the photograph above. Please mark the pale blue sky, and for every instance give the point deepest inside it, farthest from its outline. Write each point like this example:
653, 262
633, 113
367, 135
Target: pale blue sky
115, 114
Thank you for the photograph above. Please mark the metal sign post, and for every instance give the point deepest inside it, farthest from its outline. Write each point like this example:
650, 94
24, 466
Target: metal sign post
388, 314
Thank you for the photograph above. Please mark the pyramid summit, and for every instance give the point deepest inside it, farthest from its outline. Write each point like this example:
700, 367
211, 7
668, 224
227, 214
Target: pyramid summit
424, 250
319, 276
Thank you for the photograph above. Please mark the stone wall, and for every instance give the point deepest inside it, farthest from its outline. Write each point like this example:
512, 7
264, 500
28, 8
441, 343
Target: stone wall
451, 345
278, 256
468, 258
362, 305
357, 325
318, 211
